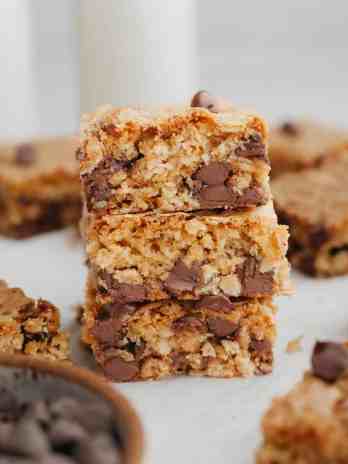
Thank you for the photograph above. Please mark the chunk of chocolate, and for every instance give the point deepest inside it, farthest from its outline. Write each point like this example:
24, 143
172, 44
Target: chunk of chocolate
65, 435
253, 282
107, 332
203, 99
329, 360
253, 148
222, 327
128, 293
261, 346
182, 279
215, 173
25, 155
289, 128
119, 370
215, 303
188, 322
96, 182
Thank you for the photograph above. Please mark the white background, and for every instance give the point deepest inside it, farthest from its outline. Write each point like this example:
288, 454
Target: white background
284, 58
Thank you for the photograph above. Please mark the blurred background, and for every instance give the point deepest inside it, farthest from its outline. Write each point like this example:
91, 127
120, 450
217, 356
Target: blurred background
61, 58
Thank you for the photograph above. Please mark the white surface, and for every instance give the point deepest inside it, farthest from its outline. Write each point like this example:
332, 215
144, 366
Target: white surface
187, 420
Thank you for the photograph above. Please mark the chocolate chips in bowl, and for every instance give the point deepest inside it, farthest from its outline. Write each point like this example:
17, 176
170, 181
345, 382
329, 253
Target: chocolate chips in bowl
58, 414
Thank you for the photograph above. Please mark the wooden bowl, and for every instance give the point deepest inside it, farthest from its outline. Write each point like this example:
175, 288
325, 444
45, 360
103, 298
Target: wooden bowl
33, 378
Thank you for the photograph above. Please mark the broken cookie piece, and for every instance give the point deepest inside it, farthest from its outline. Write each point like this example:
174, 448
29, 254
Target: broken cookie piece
30, 326
309, 425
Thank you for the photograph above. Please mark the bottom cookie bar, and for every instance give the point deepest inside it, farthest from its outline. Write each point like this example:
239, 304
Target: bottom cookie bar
309, 425
30, 326
214, 337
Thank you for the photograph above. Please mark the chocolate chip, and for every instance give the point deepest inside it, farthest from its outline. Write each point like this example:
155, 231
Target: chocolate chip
216, 303
253, 148
188, 322
182, 279
25, 154
96, 451
253, 282
65, 407
65, 435
329, 360
29, 439
318, 236
128, 293
38, 410
289, 128
9, 405
203, 99
119, 370
95, 417
115, 310
107, 332
261, 346
214, 173
179, 361
96, 182
222, 327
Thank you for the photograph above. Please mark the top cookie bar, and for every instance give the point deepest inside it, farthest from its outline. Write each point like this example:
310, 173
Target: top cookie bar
179, 159
302, 144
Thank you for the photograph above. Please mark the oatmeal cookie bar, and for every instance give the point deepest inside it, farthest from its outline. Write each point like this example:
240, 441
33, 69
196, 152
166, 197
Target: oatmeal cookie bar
309, 425
214, 336
302, 144
314, 203
149, 257
39, 186
30, 326
204, 156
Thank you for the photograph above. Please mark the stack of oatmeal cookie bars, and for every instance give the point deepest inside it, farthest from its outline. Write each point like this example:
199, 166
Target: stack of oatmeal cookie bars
184, 250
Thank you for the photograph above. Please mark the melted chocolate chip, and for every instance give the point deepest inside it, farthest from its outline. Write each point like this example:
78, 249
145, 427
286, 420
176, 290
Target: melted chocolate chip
182, 279
261, 346
253, 148
188, 322
214, 173
25, 155
107, 332
96, 182
215, 303
128, 293
119, 370
222, 327
203, 99
289, 128
318, 236
122, 293
329, 360
253, 282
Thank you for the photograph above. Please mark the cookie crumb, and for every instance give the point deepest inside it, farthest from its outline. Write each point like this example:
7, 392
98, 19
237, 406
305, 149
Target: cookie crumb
294, 345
